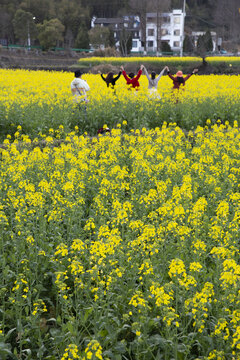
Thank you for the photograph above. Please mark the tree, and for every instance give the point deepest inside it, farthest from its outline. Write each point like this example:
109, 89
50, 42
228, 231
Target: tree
50, 33
188, 46
201, 48
105, 8
111, 38
73, 16
208, 41
6, 28
125, 42
227, 18
165, 47
141, 8
159, 6
24, 26
204, 43
82, 40
99, 36
41, 9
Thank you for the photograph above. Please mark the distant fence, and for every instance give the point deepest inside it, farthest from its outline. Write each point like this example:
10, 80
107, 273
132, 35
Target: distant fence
154, 53
37, 47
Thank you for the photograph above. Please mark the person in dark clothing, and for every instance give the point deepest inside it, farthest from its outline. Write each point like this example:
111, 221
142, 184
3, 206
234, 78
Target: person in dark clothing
179, 80
110, 80
131, 78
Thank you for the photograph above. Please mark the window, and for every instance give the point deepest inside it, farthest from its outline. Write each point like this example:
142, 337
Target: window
136, 34
176, 43
177, 32
164, 31
125, 25
134, 44
150, 32
150, 44
177, 20
115, 34
166, 19
116, 26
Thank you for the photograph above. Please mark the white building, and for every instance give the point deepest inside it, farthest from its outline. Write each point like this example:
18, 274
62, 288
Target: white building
131, 24
165, 27
162, 27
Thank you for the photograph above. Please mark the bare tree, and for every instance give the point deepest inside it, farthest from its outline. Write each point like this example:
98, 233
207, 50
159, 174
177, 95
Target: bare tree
142, 7
125, 42
158, 7
6, 28
227, 18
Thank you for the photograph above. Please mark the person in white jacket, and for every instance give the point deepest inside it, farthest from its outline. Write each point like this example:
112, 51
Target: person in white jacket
153, 81
79, 87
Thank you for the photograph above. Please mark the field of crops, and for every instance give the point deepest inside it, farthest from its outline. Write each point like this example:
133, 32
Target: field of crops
41, 100
126, 245
179, 61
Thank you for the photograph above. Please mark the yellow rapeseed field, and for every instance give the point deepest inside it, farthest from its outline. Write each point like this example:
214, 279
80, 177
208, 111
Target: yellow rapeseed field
41, 100
53, 88
124, 245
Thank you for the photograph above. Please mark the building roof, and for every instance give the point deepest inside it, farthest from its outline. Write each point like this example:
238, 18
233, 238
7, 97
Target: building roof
108, 21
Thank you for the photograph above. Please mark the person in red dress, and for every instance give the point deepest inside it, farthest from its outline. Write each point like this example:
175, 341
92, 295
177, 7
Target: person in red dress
131, 79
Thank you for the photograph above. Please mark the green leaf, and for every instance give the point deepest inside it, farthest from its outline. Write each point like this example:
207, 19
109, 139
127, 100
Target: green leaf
9, 333
157, 340
70, 327
88, 312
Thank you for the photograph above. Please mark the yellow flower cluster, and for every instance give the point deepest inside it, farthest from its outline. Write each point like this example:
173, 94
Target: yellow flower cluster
160, 60
93, 350
43, 89
125, 229
71, 352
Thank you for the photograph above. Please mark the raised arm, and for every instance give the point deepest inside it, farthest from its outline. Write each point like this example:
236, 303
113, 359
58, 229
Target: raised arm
188, 76
139, 72
146, 73
170, 75
125, 75
104, 79
118, 76
161, 73
168, 72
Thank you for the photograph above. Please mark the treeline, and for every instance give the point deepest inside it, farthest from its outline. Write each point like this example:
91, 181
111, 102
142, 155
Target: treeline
66, 23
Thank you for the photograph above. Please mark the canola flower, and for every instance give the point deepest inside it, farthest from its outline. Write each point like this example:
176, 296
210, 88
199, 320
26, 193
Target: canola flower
52, 89
159, 60
121, 245
40, 102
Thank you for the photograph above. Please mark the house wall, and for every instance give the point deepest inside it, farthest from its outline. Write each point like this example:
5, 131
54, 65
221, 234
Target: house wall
169, 27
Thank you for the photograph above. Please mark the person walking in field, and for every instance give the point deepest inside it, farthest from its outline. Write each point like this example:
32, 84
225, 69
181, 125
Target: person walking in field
110, 80
131, 79
153, 81
79, 87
